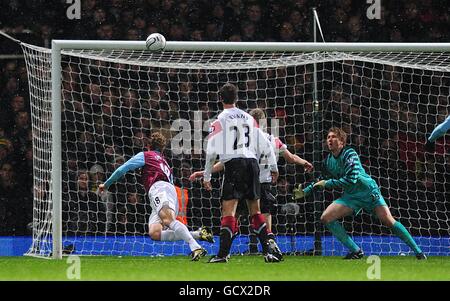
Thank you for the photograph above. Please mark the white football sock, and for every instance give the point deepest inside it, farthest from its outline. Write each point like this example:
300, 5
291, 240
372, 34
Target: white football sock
182, 232
195, 234
169, 235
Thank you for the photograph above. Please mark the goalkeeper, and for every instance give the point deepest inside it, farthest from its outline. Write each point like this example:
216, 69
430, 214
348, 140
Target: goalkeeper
360, 192
438, 132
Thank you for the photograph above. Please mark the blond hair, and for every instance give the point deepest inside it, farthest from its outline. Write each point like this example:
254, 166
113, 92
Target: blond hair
257, 114
340, 133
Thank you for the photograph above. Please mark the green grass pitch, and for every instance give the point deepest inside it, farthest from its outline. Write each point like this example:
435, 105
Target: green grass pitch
240, 268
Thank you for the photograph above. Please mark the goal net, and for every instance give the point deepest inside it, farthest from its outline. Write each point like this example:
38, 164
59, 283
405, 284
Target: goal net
111, 99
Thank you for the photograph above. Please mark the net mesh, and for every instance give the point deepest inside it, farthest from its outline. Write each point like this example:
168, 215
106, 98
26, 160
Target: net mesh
38, 62
387, 102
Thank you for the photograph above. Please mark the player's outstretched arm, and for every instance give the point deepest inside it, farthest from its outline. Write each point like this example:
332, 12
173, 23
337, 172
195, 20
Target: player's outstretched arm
301, 192
213, 147
196, 175
438, 132
101, 188
218, 167
135, 162
294, 159
351, 173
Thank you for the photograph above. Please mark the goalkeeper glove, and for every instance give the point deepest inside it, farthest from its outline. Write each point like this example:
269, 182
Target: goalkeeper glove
430, 146
298, 192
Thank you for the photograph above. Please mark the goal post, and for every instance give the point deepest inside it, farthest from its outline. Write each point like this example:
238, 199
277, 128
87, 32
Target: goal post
56, 151
208, 64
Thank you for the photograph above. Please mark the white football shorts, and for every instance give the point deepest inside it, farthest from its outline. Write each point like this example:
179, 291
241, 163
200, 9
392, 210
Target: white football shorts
162, 194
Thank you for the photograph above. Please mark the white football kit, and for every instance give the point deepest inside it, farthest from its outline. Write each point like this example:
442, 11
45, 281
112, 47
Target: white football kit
265, 175
235, 135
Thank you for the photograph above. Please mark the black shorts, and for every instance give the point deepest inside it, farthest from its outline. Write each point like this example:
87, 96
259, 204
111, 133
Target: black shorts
268, 198
241, 180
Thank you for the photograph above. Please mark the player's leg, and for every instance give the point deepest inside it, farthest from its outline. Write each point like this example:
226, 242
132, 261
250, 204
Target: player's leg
181, 232
253, 243
267, 203
227, 230
268, 218
158, 233
241, 211
385, 216
258, 223
234, 173
163, 200
155, 226
155, 230
273, 246
237, 223
330, 217
253, 238
252, 193
270, 250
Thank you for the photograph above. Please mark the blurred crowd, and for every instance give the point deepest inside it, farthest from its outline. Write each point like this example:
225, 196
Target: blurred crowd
387, 114
228, 20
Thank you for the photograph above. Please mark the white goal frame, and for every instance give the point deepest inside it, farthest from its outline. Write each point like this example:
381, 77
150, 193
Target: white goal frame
59, 45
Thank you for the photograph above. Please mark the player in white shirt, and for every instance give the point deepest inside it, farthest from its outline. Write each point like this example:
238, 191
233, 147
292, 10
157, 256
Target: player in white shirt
268, 193
235, 138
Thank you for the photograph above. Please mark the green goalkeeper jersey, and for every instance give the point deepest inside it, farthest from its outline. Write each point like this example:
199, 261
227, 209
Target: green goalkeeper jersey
345, 171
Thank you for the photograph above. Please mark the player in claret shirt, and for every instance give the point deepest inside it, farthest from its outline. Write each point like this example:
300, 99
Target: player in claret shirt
158, 182
343, 169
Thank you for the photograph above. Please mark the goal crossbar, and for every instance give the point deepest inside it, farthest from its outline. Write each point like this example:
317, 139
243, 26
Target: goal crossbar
254, 46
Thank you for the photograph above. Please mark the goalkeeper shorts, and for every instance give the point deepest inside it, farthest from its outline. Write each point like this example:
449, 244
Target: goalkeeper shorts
367, 202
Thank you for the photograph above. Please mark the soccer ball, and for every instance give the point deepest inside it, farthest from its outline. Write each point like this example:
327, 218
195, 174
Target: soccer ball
155, 42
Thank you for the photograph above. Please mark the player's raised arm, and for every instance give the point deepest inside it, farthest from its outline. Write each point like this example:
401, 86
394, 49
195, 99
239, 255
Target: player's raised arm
218, 167
295, 159
300, 192
135, 162
213, 148
438, 132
